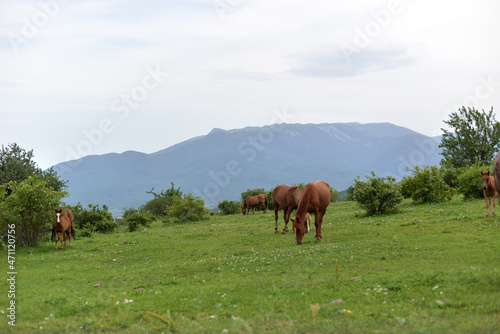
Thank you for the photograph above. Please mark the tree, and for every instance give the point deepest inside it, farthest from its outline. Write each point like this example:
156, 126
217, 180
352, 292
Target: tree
30, 207
16, 164
475, 136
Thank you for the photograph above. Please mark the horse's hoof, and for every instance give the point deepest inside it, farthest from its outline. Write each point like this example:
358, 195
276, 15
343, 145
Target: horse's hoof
283, 232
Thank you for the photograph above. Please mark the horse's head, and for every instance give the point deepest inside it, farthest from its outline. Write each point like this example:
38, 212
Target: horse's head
58, 215
243, 210
485, 176
301, 227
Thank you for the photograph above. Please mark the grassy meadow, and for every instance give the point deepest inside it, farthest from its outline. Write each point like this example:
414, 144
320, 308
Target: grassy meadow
424, 269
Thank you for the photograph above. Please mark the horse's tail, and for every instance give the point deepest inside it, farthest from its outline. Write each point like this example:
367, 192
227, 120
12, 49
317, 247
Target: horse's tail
53, 233
72, 232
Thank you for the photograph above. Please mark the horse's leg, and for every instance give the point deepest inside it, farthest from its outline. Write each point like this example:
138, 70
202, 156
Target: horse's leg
487, 199
69, 235
318, 221
276, 209
286, 218
494, 204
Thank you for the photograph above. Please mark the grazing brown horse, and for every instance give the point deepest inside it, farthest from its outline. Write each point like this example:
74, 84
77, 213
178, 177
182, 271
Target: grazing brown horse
63, 225
315, 199
252, 202
285, 198
489, 191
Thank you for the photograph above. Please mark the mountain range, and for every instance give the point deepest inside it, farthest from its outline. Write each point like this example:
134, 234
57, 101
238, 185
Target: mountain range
225, 163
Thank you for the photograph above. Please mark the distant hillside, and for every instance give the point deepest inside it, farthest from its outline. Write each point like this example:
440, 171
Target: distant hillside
224, 163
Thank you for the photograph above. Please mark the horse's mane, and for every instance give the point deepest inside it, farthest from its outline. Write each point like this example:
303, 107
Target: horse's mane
305, 198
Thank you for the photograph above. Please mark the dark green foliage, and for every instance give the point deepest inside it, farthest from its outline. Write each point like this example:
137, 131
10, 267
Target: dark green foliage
474, 136
334, 195
229, 207
93, 217
30, 207
470, 183
187, 209
16, 164
426, 185
162, 201
377, 194
136, 219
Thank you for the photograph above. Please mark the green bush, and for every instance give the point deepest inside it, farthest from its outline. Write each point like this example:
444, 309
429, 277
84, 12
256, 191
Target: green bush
377, 194
93, 218
136, 219
470, 184
29, 210
161, 202
426, 185
229, 207
187, 209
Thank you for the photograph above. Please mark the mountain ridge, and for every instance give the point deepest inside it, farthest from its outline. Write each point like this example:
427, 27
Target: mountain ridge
224, 163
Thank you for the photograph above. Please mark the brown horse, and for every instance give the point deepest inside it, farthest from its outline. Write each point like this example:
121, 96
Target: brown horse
315, 199
252, 202
489, 191
63, 225
285, 198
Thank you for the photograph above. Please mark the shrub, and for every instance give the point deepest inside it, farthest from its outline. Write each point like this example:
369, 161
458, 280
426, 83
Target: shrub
229, 207
136, 219
469, 181
161, 202
93, 218
377, 194
30, 207
426, 185
187, 209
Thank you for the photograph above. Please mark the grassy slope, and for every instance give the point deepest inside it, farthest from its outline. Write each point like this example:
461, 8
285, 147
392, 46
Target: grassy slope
426, 269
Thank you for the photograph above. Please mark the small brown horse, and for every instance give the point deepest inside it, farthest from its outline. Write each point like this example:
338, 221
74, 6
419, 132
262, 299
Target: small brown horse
252, 202
285, 198
315, 199
489, 191
63, 225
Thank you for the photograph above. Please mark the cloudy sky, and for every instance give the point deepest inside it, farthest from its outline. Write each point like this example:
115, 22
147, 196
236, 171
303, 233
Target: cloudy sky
92, 77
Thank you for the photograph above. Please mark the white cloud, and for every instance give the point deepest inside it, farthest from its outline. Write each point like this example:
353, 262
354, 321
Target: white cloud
230, 62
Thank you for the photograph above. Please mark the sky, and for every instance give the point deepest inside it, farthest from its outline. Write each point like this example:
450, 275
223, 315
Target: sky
80, 78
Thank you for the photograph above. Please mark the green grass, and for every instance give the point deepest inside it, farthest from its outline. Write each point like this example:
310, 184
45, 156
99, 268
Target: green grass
425, 269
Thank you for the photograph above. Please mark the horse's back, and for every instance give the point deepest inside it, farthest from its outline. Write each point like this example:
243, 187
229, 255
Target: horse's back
279, 195
323, 195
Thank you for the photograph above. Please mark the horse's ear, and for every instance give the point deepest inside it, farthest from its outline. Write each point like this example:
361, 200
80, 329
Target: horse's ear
482, 173
488, 173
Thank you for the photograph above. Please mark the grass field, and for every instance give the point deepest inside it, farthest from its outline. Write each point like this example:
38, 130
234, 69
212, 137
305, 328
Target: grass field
425, 269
